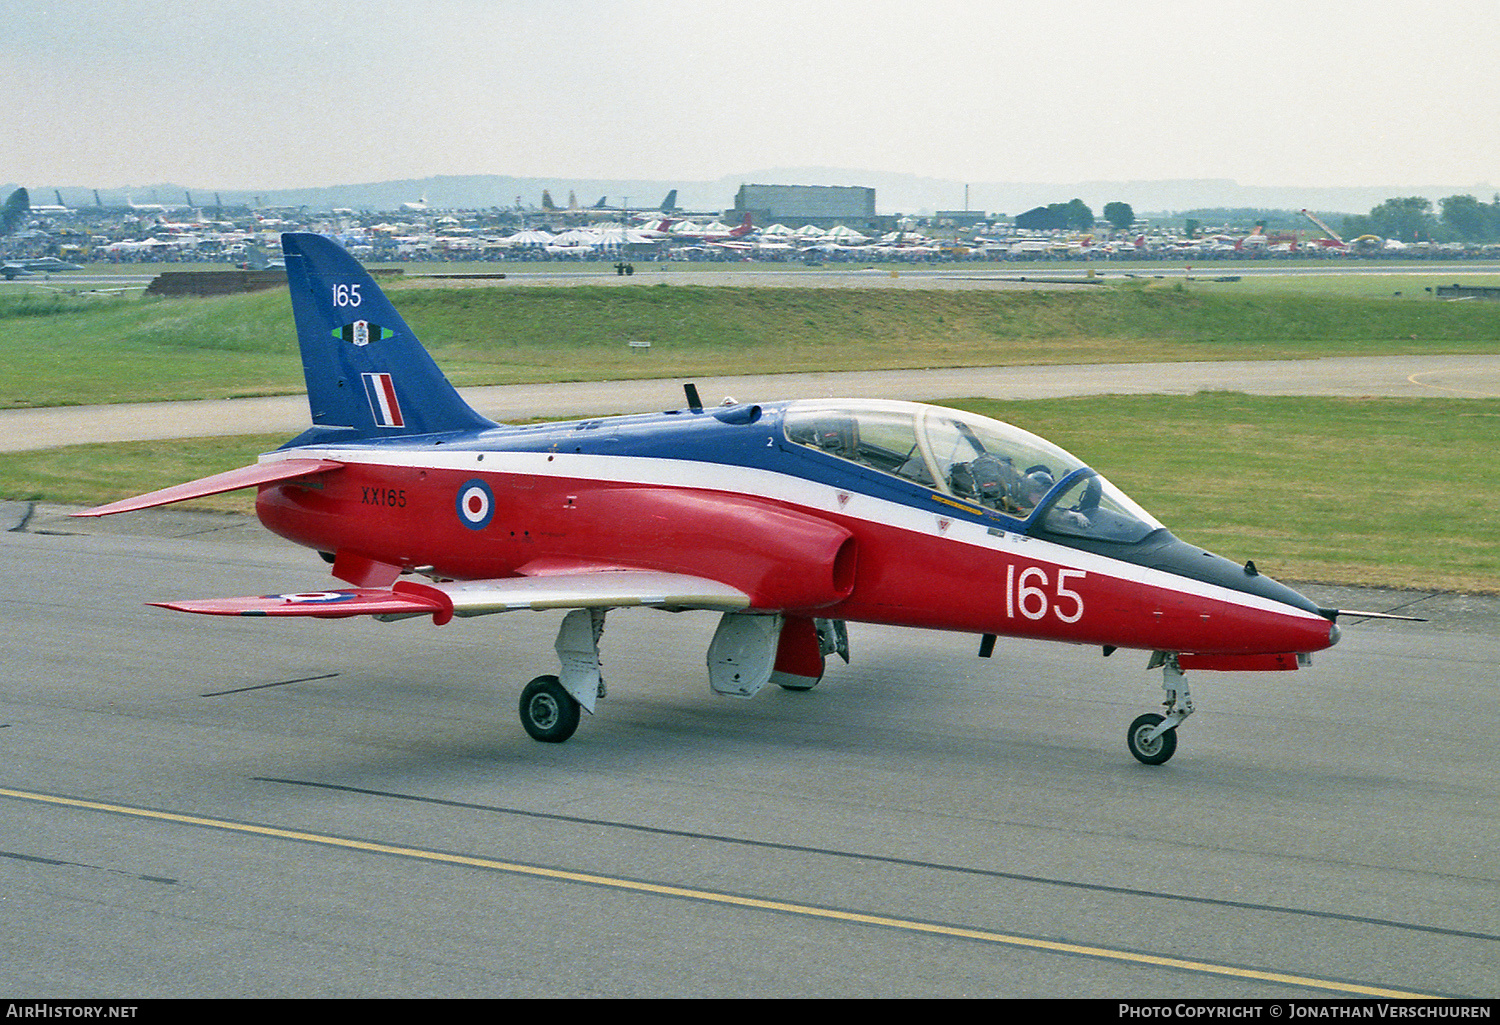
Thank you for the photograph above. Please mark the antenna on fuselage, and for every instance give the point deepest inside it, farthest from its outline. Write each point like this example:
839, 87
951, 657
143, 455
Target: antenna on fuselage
694, 403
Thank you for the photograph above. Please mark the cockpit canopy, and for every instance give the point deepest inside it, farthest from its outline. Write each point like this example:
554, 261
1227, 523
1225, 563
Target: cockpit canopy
975, 459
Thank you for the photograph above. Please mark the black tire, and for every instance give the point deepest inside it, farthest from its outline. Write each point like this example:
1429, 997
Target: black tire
1153, 752
548, 712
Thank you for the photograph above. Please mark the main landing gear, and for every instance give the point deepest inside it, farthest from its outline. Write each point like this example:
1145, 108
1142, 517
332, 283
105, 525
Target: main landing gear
748, 651
1152, 738
551, 705
548, 711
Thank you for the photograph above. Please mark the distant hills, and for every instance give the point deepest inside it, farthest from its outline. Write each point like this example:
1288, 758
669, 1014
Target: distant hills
894, 193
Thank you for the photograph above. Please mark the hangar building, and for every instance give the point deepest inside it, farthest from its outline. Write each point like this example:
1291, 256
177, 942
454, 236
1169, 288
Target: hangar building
822, 205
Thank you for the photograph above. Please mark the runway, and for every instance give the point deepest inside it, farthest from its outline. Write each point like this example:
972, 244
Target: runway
1464, 376
201, 807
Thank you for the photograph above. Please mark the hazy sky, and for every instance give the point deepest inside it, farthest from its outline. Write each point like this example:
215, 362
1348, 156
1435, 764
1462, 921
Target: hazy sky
286, 93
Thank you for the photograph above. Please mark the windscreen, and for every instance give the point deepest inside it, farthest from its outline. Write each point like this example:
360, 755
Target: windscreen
971, 457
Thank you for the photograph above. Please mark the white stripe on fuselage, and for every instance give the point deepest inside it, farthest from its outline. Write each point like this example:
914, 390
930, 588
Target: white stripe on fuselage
800, 492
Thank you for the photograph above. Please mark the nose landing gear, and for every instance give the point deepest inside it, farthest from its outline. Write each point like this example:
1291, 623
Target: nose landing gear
1152, 738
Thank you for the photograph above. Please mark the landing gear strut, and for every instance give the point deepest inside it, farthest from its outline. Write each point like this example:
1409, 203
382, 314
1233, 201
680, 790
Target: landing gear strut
1152, 738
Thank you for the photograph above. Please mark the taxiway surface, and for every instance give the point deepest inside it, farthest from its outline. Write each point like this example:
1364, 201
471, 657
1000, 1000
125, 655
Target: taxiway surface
207, 807
1471, 376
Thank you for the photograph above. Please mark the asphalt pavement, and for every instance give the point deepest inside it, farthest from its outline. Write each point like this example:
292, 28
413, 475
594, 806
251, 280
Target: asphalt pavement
229, 807
1475, 376
207, 807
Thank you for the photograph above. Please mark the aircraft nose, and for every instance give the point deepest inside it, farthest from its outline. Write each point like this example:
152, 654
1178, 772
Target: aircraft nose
1179, 557
1176, 556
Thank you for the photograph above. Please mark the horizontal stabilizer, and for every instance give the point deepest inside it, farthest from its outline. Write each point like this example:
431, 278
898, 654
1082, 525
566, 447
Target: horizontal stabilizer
362, 601
232, 480
588, 589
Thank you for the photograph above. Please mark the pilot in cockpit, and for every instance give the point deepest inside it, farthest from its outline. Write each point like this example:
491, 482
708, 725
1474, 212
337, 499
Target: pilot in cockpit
1032, 488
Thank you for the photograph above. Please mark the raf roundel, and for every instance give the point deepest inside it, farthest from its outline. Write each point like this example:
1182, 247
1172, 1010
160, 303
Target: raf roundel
475, 504
313, 597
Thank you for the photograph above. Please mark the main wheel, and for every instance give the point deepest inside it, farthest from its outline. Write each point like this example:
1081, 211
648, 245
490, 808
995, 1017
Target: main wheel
548, 712
791, 681
1152, 752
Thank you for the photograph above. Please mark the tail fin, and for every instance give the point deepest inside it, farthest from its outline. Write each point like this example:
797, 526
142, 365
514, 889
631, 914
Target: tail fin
17, 206
670, 203
365, 369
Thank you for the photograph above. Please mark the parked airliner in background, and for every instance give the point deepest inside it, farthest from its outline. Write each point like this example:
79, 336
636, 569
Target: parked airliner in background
788, 519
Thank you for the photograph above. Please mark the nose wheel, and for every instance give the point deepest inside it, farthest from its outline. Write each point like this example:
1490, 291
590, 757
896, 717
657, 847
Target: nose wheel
1152, 738
1147, 744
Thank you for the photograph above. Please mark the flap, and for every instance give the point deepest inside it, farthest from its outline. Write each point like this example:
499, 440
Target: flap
583, 590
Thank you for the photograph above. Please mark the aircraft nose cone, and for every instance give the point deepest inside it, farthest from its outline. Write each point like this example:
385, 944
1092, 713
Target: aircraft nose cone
1179, 557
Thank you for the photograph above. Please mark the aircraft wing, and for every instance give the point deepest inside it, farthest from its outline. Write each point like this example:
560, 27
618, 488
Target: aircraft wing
443, 601
232, 480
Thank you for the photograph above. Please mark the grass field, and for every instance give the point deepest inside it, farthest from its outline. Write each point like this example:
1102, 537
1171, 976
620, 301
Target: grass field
57, 350
1354, 491
1390, 492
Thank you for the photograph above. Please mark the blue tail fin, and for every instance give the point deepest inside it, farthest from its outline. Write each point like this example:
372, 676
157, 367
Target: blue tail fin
365, 369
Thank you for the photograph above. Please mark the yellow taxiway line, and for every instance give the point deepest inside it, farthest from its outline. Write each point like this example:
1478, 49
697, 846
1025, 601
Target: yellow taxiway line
714, 897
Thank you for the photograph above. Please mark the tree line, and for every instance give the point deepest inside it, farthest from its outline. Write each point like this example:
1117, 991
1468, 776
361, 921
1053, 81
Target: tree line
1406, 218
1413, 219
1074, 216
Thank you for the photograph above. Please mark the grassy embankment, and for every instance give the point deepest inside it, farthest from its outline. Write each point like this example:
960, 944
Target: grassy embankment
1392, 492
1361, 491
57, 350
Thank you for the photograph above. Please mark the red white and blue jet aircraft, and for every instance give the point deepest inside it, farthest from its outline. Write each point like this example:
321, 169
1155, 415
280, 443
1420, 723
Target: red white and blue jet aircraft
790, 519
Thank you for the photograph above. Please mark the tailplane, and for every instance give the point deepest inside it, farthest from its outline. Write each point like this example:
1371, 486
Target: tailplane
366, 372
13, 215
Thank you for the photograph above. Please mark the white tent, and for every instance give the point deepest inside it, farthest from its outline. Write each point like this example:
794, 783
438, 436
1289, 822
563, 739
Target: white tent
845, 235
576, 237
531, 238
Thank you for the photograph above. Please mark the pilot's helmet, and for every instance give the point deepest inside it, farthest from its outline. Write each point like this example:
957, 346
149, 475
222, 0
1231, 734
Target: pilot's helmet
1037, 482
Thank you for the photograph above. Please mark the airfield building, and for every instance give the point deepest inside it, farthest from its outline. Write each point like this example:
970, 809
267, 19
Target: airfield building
824, 206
